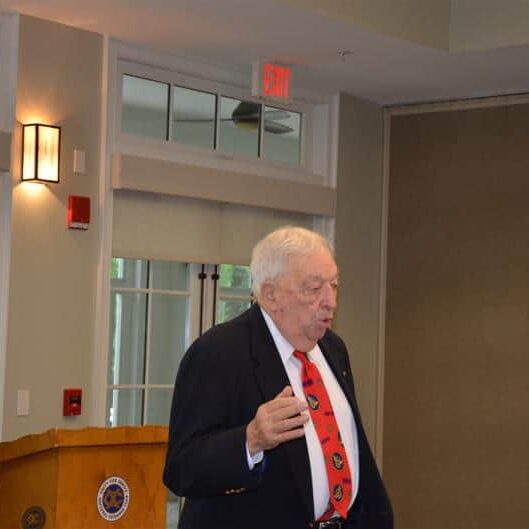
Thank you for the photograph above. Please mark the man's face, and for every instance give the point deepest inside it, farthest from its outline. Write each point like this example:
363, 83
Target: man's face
303, 300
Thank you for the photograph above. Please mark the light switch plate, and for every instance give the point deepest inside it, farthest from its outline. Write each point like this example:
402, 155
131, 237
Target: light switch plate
79, 161
22, 402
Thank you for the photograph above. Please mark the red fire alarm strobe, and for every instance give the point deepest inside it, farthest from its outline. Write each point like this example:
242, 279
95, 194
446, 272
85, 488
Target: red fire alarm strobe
72, 401
78, 212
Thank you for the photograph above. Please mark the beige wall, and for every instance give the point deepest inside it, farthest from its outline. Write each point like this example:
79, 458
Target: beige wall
425, 22
481, 25
358, 236
456, 395
451, 25
53, 270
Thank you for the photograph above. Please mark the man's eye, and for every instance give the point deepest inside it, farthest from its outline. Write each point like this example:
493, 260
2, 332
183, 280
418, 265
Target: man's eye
312, 289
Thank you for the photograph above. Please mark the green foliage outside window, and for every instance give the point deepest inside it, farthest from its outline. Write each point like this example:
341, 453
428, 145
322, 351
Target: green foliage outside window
117, 268
234, 280
234, 277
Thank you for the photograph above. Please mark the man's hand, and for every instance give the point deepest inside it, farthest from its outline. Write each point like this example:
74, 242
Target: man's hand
277, 421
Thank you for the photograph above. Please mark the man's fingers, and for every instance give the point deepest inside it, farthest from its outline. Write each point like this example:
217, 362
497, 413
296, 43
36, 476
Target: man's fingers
290, 435
286, 398
285, 407
277, 421
292, 423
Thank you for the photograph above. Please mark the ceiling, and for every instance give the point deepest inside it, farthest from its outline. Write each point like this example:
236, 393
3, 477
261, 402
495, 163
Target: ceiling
380, 67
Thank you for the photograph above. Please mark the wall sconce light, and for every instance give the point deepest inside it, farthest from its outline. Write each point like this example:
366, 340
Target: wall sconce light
40, 153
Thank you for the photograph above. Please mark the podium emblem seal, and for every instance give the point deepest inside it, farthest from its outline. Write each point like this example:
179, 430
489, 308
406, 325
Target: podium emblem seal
113, 498
33, 518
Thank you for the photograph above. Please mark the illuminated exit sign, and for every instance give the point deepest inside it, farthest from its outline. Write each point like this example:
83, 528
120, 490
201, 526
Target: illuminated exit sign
272, 81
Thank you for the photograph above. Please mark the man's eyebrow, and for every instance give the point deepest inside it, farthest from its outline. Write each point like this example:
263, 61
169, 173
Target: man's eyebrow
320, 278
314, 278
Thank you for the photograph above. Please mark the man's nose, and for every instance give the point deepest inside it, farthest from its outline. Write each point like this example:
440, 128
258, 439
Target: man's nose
329, 296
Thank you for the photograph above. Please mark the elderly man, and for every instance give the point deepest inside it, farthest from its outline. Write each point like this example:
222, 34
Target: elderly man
265, 431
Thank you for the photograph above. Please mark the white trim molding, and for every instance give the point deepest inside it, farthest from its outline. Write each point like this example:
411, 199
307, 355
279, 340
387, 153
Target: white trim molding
6, 190
9, 23
102, 303
462, 104
8, 67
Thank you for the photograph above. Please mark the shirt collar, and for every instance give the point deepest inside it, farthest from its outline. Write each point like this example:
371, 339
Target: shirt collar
285, 348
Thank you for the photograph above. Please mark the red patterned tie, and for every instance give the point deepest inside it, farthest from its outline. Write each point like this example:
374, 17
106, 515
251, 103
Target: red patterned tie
322, 414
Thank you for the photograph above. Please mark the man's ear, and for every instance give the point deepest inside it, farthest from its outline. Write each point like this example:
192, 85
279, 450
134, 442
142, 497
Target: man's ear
268, 295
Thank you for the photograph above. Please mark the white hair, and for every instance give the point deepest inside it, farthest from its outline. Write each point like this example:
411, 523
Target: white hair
271, 254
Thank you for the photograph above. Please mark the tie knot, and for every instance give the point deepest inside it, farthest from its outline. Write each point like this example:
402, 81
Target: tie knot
301, 356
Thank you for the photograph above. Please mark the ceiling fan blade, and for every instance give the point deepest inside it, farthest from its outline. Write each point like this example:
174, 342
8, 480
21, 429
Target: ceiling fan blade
246, 114
277, 114
276, 128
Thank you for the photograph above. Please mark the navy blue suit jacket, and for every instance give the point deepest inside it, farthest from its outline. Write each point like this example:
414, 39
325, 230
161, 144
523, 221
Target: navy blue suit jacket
223, 378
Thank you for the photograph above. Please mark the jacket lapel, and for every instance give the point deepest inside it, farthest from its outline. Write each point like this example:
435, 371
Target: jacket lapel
271, 379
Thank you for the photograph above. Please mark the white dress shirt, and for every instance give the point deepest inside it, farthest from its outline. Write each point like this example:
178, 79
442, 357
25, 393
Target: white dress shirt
342, 412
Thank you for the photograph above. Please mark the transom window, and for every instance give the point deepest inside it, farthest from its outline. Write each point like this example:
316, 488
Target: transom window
210, 120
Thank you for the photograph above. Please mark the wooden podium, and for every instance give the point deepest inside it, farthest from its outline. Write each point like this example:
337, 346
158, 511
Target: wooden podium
61, 472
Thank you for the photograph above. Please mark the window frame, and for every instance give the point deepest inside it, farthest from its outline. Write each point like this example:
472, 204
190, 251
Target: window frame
203, 296
191, 331
193, 155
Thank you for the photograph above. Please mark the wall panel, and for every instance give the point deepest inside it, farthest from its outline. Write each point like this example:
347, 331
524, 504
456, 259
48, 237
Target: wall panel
457, 332
358, 240
53, 269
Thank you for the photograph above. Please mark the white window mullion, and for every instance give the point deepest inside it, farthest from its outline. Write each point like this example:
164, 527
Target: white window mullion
151, 291
193, 321
147, 357
117, 337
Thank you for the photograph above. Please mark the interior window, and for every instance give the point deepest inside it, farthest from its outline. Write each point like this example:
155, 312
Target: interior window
239, 126
144, 107
210, 120
281, 136
194, 115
